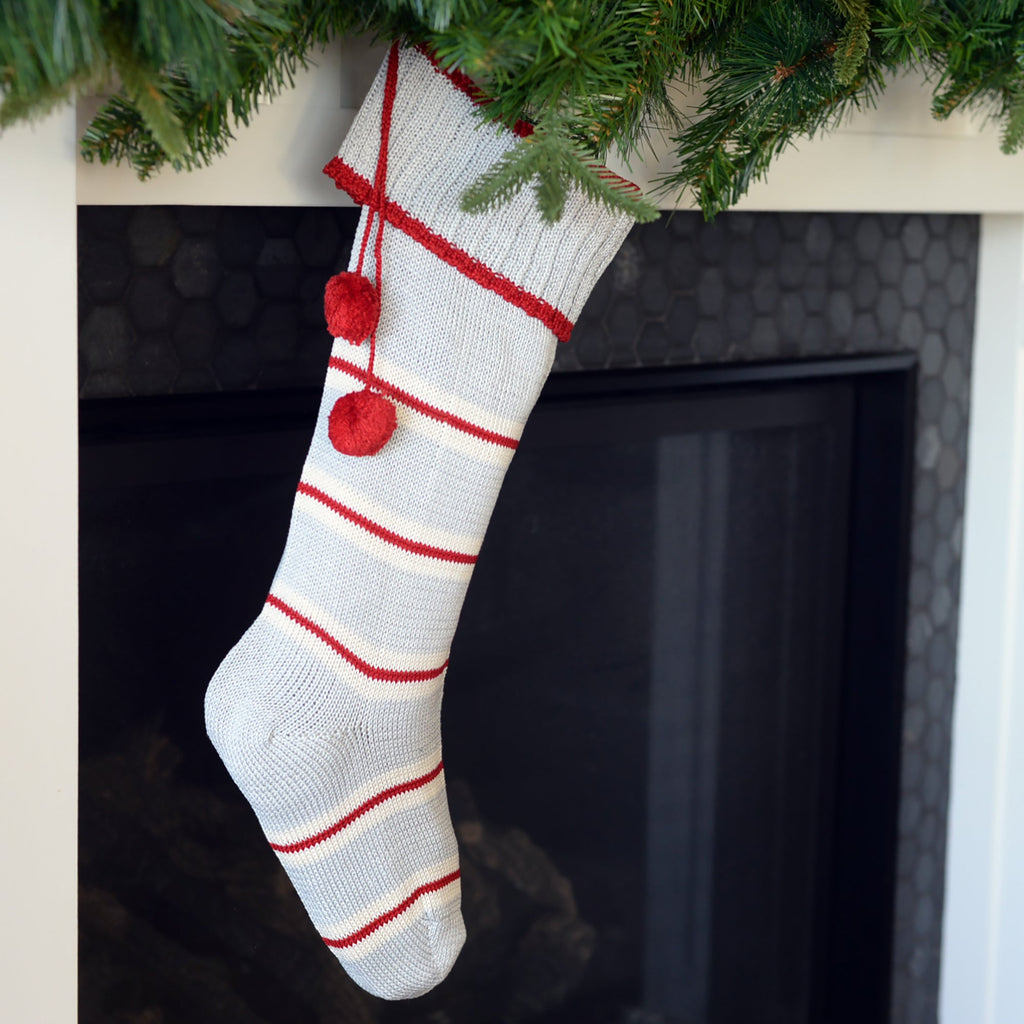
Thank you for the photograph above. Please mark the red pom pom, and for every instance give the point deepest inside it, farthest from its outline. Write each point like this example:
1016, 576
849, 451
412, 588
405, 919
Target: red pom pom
352, 307
361, 423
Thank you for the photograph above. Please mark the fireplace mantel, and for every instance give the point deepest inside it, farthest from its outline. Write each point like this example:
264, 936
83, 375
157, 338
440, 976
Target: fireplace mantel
895, 158
951, 167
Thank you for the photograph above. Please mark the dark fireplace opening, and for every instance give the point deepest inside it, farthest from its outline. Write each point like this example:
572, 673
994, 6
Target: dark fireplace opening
672, 720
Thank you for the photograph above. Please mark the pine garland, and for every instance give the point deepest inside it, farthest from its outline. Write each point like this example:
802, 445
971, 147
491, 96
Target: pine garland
593, 76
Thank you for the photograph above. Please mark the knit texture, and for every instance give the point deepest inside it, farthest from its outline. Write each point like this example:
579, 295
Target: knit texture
327, 711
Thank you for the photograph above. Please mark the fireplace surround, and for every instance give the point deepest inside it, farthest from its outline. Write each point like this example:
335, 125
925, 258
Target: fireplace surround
161, 288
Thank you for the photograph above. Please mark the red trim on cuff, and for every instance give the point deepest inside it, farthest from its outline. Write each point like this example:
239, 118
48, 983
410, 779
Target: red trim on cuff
465, 84
361, 190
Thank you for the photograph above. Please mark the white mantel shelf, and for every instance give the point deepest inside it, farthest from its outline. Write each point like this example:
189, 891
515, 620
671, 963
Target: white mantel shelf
895, 158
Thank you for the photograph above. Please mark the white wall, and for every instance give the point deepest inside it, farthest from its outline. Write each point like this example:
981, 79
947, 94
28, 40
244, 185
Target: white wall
38, 552
983, 928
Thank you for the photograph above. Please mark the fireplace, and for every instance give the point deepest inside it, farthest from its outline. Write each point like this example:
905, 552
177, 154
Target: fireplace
708, 819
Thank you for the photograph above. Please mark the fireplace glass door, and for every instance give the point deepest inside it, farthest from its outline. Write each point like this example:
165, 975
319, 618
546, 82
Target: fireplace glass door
671, 719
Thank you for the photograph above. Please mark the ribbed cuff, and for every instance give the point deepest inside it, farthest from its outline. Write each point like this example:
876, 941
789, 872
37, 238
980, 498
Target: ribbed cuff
438, 147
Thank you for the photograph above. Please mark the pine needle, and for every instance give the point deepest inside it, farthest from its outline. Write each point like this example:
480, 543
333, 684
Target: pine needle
553, 164
596, 75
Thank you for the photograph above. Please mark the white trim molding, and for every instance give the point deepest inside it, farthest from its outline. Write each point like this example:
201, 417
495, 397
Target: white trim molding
983, 930
39, 554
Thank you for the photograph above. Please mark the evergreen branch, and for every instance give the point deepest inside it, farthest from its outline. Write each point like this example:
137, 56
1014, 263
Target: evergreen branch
1012, 140
553, 163
854, 40
597, 74
613, 193
47, 53
17, 106
774, 82
257, 70
144, 87
117, 132
907, 30
504, 179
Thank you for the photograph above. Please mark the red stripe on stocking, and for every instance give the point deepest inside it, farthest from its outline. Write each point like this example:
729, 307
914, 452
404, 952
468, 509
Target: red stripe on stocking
414, 547
387, 675
412, 402
379, 922
363, 808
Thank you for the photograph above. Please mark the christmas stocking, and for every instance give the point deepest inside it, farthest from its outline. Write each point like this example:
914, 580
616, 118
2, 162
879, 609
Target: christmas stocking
327, 711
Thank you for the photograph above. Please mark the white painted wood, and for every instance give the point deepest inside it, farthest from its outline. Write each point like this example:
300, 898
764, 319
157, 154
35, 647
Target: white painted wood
275, 160
38, 552
983, 931
896, 157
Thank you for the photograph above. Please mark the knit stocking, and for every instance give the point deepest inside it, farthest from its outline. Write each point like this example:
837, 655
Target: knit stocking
327, 711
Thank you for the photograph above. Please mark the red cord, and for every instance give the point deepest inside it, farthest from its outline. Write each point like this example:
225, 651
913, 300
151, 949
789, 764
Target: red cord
366, 236
380, 177
361, 422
